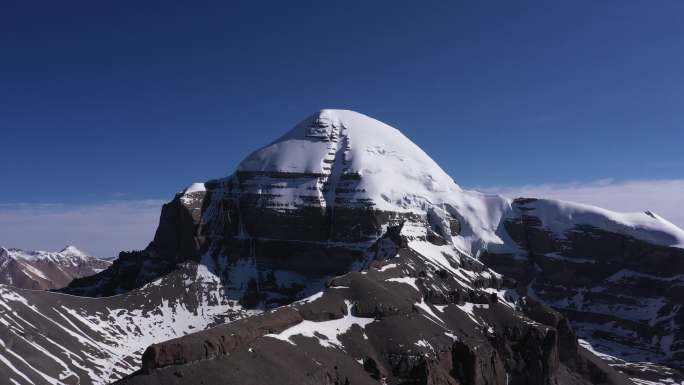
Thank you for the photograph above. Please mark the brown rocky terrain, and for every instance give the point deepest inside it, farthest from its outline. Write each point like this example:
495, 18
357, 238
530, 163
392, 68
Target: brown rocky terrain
402, 321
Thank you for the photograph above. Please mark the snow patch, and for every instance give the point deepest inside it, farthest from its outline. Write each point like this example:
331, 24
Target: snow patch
407, 280
327, 332
195, 187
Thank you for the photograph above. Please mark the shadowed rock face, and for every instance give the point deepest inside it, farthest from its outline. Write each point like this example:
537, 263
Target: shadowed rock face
622, 294
280, 253
177, 240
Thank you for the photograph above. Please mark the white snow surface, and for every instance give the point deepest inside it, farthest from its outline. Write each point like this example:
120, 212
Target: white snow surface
407, 280
375, 149
327, 332
68, 255
73, 251
195, 187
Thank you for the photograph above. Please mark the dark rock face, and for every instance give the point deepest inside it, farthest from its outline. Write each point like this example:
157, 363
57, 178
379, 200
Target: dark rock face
383, 328
281, 253
622, 294
177, 239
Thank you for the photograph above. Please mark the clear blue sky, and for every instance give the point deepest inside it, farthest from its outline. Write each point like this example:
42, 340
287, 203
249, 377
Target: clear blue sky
103, 100
142, 98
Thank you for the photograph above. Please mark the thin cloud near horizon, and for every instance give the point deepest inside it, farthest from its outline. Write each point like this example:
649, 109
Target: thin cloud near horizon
107, 228
101, 229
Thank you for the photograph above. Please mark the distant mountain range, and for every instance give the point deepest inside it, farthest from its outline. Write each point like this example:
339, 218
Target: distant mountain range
342, 254
44, 270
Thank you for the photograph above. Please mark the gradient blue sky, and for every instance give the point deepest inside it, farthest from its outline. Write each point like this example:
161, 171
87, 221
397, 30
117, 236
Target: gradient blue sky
108, 102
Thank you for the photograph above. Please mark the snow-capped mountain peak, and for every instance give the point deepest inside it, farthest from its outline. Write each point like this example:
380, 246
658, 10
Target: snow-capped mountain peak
345, 143
73, 251
46, 269
345, 158
68, 253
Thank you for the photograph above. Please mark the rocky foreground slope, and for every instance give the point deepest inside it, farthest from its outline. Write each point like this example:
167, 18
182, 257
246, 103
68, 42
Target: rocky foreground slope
406, 319
44, 270
349, 256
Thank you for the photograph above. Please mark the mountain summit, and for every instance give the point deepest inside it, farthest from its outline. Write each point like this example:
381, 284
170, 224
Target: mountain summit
345, 145
341, 253
73, 251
